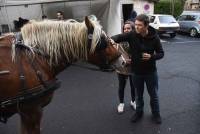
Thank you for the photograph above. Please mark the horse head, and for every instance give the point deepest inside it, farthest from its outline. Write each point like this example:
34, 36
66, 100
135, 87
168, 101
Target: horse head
105, 54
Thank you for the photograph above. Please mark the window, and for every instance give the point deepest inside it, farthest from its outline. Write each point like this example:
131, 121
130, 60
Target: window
182, 18
191, 17
4, 28
151, 19
167, 19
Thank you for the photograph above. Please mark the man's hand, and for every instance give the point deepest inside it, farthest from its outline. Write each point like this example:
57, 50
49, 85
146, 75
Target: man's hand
128, 61
146, 56
112, 41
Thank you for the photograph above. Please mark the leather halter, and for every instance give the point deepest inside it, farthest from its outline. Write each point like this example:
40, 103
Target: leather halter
90, 34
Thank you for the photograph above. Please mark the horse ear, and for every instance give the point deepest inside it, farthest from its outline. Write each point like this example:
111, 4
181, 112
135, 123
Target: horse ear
88, 23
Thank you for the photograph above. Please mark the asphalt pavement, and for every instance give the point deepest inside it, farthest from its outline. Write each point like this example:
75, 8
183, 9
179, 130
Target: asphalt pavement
87, 100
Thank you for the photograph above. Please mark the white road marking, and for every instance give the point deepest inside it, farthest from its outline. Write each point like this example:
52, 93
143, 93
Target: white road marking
186, 42
162, 40
179, 38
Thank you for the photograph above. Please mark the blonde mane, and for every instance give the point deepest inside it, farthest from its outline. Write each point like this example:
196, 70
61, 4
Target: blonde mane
60, 38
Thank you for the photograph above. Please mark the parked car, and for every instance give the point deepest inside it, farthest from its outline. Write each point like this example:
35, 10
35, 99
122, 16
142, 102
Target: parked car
164, 24
189, 22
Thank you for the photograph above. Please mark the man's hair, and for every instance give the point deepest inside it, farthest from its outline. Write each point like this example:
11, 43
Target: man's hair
60, 12
144, 18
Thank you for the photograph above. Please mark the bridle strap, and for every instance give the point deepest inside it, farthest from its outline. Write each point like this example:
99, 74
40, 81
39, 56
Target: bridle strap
90, 36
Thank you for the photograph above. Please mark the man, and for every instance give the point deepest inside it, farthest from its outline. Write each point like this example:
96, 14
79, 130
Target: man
60, 15
145, 48
132, 16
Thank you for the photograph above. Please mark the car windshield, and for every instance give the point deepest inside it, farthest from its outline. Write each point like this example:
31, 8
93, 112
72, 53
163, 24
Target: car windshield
198, 18
167, 19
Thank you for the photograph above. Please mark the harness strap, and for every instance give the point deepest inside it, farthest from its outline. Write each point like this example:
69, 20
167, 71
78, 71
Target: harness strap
38, 72
31, 94
21, 72
4, 72
19, 47
90, 35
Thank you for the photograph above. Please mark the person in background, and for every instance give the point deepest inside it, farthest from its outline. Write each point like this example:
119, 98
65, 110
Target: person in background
132, 16
60, 15
124, 73
146, 49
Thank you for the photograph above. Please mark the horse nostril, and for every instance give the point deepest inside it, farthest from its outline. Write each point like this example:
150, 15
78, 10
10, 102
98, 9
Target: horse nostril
123, 63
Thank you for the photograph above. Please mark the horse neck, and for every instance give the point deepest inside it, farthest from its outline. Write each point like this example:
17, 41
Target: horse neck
57, 68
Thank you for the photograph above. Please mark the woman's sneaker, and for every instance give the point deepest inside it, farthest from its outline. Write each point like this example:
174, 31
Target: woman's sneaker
120, 108
133, 105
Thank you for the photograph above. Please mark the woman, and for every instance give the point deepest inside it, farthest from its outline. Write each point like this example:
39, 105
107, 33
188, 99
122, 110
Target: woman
124, 73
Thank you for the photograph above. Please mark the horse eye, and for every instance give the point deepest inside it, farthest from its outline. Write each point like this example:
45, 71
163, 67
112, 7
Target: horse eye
102, 43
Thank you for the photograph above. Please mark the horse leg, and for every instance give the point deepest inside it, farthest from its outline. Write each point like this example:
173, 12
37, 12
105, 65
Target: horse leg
30, 120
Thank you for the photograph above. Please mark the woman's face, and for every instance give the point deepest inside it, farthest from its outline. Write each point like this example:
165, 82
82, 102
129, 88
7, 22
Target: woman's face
127, 28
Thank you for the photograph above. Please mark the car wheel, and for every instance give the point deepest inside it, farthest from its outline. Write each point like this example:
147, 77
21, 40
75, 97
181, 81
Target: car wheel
172, 35
193, 32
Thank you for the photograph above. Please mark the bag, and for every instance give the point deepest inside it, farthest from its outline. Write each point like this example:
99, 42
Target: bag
127, 69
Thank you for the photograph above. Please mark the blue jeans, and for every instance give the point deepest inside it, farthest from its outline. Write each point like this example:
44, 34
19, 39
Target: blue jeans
151, 81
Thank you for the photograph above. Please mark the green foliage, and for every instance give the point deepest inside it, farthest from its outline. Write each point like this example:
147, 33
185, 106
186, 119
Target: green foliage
165, 7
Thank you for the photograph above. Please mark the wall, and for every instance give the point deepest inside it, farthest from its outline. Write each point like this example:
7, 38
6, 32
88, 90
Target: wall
9, 14
107, 11
139, 6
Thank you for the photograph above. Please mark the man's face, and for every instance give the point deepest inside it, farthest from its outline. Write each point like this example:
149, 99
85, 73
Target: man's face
140, 28
59, 16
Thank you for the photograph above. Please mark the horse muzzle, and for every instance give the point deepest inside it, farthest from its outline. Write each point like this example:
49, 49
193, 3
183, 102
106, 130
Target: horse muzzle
119, 62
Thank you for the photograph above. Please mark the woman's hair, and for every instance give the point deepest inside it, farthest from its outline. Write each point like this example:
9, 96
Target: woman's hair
130, 23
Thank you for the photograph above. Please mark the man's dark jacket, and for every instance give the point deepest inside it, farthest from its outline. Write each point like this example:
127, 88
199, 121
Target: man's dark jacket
149, 44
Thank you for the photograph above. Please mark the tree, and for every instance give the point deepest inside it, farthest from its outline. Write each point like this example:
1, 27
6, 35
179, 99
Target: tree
168, 7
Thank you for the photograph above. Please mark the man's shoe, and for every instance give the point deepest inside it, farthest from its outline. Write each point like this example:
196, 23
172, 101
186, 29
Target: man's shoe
133, 105
120, 108
136, 117
157, 118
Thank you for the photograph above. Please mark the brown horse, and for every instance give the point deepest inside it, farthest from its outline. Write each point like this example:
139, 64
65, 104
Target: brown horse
28, 68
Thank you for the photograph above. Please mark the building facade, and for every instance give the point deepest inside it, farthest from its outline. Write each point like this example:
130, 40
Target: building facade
192, 5
111, 13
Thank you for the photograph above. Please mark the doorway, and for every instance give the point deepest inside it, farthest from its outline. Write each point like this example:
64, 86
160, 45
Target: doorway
126, 11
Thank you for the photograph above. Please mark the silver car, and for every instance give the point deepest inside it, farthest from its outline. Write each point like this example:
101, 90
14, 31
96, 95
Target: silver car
189, 22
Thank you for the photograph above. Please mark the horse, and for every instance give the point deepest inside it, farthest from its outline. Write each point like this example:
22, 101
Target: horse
29, 65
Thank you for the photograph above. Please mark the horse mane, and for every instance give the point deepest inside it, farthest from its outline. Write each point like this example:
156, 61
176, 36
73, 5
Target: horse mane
6, 35
60, 38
